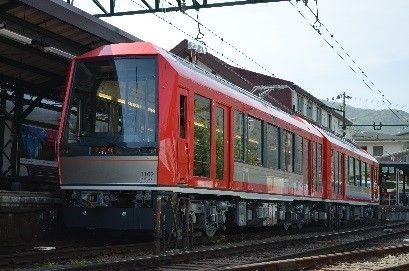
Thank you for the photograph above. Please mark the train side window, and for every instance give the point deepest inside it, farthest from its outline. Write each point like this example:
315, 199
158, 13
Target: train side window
333, 170
238, 136
286, 157
339, 174
314, 166
363, 174
351, 170
182, 116
346, 172
254, 143
319, 166
289, 152
298, 149
202, 107
271, 146
368, 178
219, 143
357, 172
306, 161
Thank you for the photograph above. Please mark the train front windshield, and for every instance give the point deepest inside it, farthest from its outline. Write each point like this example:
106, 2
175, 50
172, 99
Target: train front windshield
113, 102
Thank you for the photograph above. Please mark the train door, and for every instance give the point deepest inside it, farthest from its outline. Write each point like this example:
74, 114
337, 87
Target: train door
220, 141
183, 169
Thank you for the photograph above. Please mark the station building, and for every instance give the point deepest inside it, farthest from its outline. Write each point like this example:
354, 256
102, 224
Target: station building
379, 145
37, 41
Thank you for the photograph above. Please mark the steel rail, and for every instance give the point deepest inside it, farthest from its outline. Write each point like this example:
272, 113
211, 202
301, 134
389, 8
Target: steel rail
325, 259
178, 257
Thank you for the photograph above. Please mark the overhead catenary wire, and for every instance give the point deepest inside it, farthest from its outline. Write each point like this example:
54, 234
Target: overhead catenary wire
368, 101
192, 37
226, 42
367, 82
342, 48
345, 59
188, 35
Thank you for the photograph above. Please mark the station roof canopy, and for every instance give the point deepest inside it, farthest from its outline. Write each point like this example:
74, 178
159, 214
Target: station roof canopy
38, 39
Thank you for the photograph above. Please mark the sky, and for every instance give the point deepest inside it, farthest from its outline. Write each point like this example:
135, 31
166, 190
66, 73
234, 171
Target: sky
275, 39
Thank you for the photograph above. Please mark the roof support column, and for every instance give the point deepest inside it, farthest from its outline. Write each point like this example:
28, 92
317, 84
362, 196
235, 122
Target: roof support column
16, 139
404, 196
3, 95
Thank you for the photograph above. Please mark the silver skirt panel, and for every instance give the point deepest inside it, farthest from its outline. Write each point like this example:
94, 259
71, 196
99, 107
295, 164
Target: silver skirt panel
92, 170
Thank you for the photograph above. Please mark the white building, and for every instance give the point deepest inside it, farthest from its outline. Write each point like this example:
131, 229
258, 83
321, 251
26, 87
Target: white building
379, 144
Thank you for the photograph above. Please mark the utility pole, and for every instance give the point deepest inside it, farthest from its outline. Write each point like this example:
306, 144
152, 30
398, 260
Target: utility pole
344, 125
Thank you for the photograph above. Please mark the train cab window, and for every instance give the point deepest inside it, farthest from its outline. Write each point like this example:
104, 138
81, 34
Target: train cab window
202, 130
114, 101
286, 157
238, 136
254, 141
219, 143
351, 170
298, 150
182, 116
102, 116
271, 146
72, 133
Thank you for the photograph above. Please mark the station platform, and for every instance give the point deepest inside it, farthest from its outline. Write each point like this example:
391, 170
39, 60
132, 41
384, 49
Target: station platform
27, 216
25, 200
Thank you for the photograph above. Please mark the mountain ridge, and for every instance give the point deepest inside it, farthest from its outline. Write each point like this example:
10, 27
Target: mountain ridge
364, 116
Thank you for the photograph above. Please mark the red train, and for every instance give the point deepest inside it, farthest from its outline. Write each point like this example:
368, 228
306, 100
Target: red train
140, 124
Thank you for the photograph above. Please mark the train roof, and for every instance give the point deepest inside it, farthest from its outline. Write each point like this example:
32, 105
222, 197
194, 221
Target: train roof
200, 76
227, 88
346, 144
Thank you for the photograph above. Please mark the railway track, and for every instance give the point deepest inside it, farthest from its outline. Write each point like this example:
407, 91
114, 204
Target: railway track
220, 257
61, 250
312, 262
283, 255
